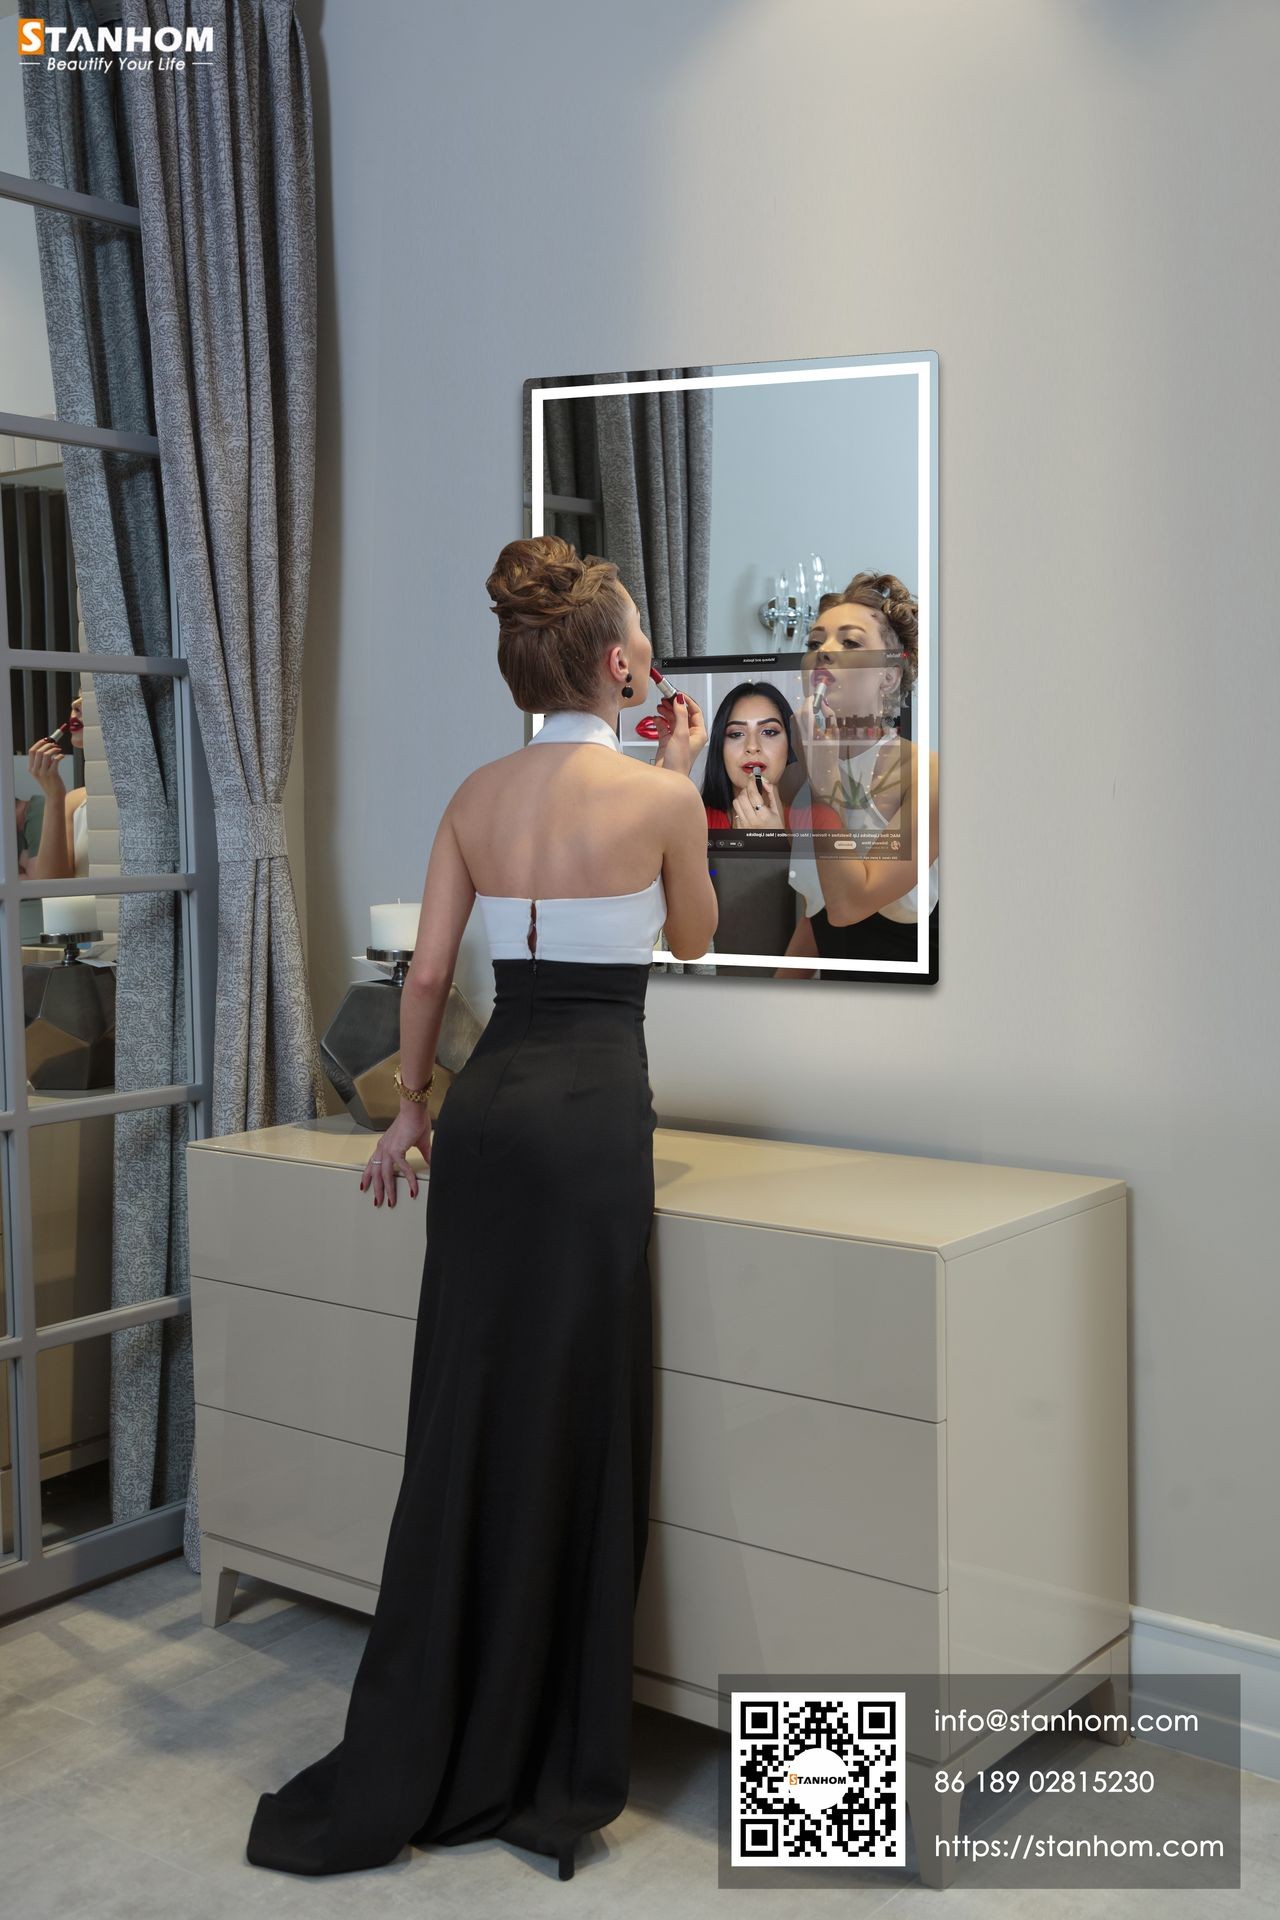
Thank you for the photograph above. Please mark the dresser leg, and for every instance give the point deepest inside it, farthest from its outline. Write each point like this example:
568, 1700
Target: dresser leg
217, 1586
935, 1817
1111, 1696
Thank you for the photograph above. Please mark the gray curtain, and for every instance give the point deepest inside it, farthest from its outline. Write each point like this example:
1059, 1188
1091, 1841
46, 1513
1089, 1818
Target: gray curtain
92, 287
226, 186
220, 161
646, 457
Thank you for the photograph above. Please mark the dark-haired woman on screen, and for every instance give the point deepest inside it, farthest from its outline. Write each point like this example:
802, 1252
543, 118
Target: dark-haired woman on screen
749, 750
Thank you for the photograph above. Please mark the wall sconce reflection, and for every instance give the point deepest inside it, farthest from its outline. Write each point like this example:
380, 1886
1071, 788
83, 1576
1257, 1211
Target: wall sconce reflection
793, 608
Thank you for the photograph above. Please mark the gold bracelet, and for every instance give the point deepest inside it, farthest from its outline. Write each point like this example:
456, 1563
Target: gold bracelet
419, 1094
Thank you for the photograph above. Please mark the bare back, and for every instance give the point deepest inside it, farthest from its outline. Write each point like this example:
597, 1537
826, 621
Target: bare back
563, 820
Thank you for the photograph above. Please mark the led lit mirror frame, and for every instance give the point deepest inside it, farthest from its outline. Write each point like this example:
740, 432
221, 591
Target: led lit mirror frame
584, 515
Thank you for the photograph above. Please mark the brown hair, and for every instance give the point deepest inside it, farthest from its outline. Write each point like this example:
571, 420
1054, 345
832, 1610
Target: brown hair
558, 614
897, 607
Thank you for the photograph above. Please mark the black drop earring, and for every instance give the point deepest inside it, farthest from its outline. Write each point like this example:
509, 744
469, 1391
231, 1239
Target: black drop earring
628, 690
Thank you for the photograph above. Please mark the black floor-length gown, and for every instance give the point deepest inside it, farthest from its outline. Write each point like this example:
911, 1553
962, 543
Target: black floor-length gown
493, 1696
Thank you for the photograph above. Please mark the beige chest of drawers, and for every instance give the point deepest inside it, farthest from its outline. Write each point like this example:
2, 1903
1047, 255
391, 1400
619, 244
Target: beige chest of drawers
890, 1405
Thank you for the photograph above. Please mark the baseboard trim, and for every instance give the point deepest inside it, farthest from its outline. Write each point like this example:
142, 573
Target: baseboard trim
1167, 1643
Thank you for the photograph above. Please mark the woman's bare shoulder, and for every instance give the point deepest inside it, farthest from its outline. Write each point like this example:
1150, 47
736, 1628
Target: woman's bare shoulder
494, 777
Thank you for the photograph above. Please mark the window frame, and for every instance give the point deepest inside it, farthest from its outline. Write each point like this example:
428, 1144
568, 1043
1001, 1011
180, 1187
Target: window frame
36, 1574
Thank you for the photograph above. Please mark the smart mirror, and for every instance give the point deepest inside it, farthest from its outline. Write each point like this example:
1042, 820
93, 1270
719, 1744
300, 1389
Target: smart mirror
776, 525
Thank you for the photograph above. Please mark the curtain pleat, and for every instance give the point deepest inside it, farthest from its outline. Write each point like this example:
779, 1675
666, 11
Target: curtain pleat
226, 186
219, 158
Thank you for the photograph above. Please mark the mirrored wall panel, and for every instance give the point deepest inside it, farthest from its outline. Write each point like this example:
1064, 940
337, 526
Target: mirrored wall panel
113, 1445
87, 1252
6, 1314
8, 1544
776, 526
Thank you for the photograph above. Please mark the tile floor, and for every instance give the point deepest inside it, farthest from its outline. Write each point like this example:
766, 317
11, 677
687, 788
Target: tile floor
134, 1743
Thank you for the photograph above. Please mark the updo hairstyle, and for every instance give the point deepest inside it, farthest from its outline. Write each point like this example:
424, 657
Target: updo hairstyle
899, 611
558, 615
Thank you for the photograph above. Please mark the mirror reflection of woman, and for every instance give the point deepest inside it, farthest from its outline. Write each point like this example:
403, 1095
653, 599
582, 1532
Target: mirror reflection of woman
861, 662
62, 850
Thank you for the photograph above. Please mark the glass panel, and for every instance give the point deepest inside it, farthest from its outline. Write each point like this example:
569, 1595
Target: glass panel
72, 733
80, 1418
6, 1316
72, 1181
73, 1042
97, 282
74, 1221
46, 493
73, 1386
8, 1455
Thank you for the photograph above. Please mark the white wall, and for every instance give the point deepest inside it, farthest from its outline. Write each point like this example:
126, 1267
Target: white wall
1072, 202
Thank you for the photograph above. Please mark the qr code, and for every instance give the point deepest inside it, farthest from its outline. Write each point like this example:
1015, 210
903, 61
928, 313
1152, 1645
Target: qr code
817, 1779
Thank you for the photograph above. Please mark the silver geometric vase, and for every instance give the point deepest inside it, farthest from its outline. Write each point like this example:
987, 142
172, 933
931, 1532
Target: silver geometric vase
361, 1050
70, 1015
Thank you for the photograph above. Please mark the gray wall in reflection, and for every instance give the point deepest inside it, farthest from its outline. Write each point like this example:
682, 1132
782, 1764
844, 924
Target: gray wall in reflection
829, 467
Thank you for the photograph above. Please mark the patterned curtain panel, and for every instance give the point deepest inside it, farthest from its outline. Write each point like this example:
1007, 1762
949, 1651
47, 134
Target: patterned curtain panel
226, 184
100, 360
220, 161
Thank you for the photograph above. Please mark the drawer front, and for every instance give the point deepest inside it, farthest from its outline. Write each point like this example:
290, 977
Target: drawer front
307, 1230
298, 1494
302, 1363
857, 1490
709, 1606
844, 1320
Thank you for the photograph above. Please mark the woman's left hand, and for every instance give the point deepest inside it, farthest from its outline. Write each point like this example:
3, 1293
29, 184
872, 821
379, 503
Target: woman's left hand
816, 738
43, 761
389, 1157
684, 733
750, 810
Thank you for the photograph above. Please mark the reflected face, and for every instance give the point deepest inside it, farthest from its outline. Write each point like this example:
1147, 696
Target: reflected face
754, 737
77, 720
841, 657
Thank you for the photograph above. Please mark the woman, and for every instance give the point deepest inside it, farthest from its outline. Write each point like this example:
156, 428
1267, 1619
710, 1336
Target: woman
748, 752
493, 1696
861, 659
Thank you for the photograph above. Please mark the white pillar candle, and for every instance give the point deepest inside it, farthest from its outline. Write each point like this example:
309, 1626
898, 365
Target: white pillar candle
394, 928
72, 913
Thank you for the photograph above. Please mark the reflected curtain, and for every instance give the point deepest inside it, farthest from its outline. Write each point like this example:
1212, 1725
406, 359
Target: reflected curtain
226, 186
99, 354
646, 457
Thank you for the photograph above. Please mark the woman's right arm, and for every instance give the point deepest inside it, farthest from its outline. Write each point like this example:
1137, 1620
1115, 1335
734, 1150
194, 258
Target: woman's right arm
693, 912
53, 858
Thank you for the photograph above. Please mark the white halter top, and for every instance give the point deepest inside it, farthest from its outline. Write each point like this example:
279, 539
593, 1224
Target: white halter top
860, 811
613, 928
